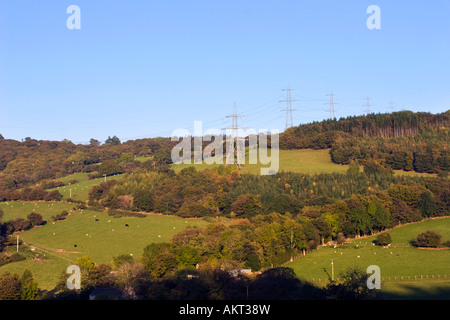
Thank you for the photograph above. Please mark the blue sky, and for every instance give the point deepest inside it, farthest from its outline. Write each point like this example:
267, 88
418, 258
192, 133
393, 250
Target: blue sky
140, 69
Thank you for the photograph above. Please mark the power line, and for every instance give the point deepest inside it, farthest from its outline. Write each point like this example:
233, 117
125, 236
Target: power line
289, 121
233, 139
367, 105
332, 103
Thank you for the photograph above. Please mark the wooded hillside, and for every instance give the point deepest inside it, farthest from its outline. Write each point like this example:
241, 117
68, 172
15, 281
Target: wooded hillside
402, 140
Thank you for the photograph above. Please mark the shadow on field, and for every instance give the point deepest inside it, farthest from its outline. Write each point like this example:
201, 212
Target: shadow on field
215, 284
419, 291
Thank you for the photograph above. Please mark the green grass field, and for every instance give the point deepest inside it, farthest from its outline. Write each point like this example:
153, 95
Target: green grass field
305, 161
80, 176
405, 270
19, 209
102, 239
302, 161
80, 190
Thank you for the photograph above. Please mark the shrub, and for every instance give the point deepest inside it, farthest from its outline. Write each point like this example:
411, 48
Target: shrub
20, 224
94, 175
121, 259
125, 213
4, 259
9, 286
428, 239
54, 195
340, 238
52, 184
35, 219
60, 216
383, 239
16, 257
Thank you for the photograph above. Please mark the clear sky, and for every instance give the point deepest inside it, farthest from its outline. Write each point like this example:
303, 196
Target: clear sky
141, 69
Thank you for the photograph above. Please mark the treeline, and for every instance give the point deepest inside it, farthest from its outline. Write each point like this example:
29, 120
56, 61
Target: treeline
35, 161
263, 241
30, 194
131, 281
133, 278
403, 140
7, 228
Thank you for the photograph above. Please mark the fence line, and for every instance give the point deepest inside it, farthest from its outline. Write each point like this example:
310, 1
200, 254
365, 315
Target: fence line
417, 278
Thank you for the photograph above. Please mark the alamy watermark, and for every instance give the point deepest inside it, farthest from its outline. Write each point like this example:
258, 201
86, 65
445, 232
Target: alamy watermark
374, 280
74, 281
235, 146
74, 20
374, 21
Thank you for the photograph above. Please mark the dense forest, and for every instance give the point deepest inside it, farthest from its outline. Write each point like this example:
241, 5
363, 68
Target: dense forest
401, 140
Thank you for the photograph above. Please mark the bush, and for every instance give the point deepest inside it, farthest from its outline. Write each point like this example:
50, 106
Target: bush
383, 239
20, 224
35, 219
94, 175
81, 206
124, 213
340, 238
60, 216
427, 239
16, 257
9, 286
52, 184
4, 259
121, 259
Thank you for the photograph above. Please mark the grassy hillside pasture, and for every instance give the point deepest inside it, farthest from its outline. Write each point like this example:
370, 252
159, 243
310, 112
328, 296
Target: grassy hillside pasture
305, 161
59, 244
403, 267
20, 209
80, 176
302, 161
80, 190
